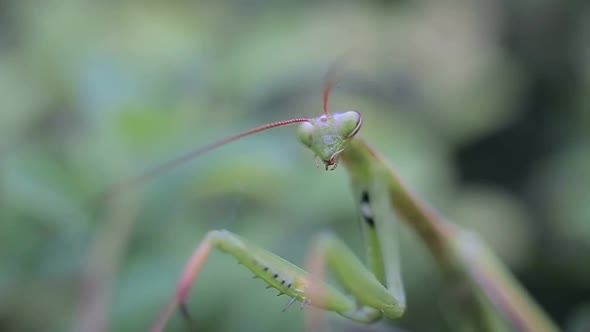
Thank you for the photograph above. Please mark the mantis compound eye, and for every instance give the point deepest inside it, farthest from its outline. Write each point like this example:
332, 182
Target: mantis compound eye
348, 123
305, 132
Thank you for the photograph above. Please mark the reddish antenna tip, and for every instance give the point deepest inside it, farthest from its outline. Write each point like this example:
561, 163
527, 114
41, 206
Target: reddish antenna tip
327, 88
329, 82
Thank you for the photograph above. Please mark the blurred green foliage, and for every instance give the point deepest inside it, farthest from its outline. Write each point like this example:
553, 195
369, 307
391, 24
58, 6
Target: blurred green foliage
482, 106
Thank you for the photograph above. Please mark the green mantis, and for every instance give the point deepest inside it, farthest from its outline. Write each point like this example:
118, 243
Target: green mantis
494, 299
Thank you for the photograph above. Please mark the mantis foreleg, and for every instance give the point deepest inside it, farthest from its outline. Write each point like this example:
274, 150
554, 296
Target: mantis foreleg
370, 299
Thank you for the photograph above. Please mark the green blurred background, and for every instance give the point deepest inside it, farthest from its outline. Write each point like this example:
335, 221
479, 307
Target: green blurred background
482, 106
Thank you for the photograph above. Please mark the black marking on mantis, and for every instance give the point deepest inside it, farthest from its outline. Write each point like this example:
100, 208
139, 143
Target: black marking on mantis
366, 211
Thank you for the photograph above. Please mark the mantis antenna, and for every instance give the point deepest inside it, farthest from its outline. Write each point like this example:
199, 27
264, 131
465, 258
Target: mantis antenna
193, 154
329, 82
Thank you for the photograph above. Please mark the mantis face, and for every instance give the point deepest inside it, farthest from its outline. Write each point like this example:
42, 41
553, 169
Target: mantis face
328, 135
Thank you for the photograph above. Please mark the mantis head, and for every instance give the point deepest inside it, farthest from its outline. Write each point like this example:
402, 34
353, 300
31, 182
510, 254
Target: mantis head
328, 135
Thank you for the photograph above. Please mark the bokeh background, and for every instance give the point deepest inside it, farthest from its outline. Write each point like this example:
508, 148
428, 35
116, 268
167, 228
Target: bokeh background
482, 106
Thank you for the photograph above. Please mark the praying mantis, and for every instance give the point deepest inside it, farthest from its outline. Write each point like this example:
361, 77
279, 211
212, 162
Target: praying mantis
495, 301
